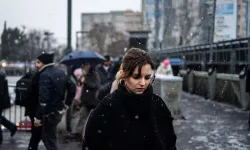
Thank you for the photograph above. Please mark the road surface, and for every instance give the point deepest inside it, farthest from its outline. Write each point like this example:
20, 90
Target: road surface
209, 126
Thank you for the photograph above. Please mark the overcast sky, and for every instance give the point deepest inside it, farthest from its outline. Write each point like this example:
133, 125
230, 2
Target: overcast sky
52, 14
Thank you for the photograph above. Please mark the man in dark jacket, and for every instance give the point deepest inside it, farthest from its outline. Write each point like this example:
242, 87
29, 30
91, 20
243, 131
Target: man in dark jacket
106, 77
50, 85
5, 103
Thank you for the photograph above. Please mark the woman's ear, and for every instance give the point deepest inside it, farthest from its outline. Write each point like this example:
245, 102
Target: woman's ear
121, 73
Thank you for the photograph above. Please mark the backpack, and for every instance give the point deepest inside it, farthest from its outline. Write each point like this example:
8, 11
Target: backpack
23, 90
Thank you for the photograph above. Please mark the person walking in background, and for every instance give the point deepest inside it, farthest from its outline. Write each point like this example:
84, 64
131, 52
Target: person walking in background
72, 77
32, 104
132, 117
106, 77
89, 97
165, 68
4, 104
75, 77
49, 86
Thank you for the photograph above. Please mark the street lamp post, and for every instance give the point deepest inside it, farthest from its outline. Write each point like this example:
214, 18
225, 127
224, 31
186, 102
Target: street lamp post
157, 24
69, 27
212, 34
47, 39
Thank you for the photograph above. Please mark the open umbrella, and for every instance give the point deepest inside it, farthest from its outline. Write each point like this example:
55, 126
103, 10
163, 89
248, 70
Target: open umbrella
176, 61
81, 57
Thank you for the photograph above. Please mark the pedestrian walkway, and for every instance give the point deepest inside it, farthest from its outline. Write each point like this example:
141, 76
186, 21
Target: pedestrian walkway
209, 126
21, 140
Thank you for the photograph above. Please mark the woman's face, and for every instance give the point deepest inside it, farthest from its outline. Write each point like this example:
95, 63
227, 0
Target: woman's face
138, 83
85, 68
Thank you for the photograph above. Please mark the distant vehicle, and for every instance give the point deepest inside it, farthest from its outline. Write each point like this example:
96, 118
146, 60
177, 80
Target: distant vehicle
24, 125
176, 64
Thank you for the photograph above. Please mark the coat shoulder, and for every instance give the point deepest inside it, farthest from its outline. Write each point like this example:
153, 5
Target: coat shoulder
109, 100
158, 100
98, 67
160, 105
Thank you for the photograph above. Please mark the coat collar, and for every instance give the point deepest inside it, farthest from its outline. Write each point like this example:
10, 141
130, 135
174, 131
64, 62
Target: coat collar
147, 93
45, 66
136, 104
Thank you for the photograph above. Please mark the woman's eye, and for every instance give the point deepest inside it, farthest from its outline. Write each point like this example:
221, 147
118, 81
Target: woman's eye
147, 77
136, 77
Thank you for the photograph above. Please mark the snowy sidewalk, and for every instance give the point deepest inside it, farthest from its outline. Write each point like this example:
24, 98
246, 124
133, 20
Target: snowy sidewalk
21, 140
209, 126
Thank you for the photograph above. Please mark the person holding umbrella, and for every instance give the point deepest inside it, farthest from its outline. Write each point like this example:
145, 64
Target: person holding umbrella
89, 98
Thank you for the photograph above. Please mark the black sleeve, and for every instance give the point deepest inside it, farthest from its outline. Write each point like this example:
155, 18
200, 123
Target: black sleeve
96, 134
45, 86
105, 86
168, 125
6, 98
71, 91
94, 83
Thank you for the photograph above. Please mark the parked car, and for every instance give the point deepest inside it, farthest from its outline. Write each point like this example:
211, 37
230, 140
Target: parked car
24, 125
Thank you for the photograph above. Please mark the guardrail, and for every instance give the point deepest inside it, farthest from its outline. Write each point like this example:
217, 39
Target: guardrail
222, 87
227, 55
16, 113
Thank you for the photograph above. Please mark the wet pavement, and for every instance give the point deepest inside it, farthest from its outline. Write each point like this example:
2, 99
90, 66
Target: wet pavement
21, 140
209, 126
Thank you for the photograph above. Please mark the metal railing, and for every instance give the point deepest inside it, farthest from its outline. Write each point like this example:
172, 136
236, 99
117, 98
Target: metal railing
222, 87
16, 113
227, 55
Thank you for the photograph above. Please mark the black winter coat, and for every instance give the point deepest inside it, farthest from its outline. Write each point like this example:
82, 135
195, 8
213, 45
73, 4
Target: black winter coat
126, 121
106, 79
32, 102
53, 84
90, 89
4, 93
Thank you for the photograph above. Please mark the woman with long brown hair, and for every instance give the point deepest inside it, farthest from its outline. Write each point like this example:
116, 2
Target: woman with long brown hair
132, 117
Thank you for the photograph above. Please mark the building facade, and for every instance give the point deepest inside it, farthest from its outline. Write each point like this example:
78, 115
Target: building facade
187, 22
121, 20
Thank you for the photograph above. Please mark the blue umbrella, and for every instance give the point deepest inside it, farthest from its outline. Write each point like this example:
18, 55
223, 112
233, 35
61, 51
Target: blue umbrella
81, 57
176, 61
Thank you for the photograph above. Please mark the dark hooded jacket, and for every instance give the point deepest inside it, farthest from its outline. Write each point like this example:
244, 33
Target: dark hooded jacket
53, 85
90, 89
127, 121
106, 79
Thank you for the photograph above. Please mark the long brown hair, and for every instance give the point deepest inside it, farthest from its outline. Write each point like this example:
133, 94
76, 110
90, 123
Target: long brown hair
133, 58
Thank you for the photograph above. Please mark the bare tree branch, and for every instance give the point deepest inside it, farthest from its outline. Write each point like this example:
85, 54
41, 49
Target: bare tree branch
189, 24
107, 39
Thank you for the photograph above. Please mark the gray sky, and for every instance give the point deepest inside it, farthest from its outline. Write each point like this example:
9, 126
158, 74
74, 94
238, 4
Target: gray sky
52, 14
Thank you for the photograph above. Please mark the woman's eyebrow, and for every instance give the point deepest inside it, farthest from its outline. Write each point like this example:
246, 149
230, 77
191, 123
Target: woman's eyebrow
136, 74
